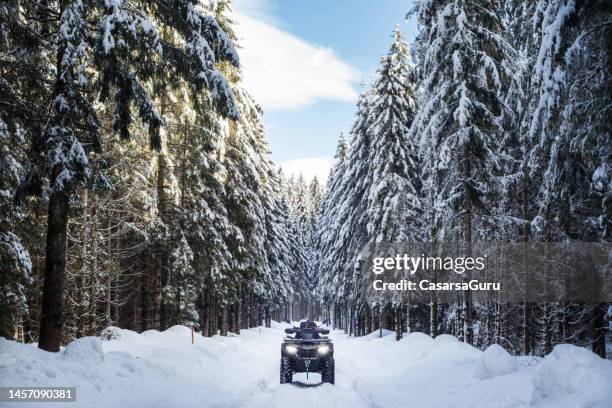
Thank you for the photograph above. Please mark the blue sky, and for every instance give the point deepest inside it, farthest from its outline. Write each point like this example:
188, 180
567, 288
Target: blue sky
304, 61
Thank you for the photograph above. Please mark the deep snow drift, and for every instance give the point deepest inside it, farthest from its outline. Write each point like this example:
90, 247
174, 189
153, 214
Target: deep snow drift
164, 369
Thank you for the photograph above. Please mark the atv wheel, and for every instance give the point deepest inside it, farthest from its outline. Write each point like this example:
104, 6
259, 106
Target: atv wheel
328, 373
286, 375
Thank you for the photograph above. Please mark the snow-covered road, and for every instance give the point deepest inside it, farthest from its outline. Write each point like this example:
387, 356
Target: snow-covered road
155, 369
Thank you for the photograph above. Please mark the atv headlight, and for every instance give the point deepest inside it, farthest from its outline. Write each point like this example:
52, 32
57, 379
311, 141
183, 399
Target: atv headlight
291, 349
323, 349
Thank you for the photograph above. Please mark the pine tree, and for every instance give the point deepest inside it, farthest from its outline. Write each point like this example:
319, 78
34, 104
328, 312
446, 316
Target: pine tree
517, 202
465, 67
394, 205
570, 131
326, 226
15, 263
114, 64
22, 74
183, 284
278, 248
394, 200
345, 234
244, 202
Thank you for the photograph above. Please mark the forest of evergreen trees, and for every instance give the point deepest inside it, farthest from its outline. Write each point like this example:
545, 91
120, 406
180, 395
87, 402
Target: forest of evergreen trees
136, 188
495, 128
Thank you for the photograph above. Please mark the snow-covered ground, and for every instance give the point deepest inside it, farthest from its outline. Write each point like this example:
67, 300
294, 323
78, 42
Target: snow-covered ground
164, 369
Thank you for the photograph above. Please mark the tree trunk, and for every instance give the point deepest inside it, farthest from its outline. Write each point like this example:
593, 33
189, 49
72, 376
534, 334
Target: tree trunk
145, 286
333, 316
52, 312
547, 305
52, 308
380, 322
349, 313
267, 317
433, 315
237, 317
205, 315
468, 336
527, 336
408, 325
259, 314
224, 322
80, 311
244, 315
398, 325
93, 312
135, 302
598, 327
110, 274
159, 246
547, 328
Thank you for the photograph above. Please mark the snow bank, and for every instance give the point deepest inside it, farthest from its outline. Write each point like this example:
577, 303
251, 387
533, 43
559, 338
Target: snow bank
86, 350
573, 376
178, 330
116, 333
101, 378
376, 334
282, 325
446, 339
164, 369
495, 361
111, 333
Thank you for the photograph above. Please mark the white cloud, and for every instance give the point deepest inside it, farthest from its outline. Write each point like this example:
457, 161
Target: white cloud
308, 167
283, 71
262, 10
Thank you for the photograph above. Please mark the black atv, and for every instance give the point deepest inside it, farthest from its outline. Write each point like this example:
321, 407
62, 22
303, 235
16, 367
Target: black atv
307, 351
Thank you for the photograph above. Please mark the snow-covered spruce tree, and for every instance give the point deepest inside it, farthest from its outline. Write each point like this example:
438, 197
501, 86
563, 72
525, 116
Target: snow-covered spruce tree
298, 201
302, 224
465, 68
301, 204
315, 193
585, 177
183, 284
570, 133
199, 215
326, 225
22, 90
347, 234
15, 263
394, 202
517, 204
245, 211
15, 269
266, 284
569, 128
110, 51
189, 192
351, 221
128, 227
278, 244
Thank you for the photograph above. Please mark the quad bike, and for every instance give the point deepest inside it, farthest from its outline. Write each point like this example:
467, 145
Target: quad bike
307, 351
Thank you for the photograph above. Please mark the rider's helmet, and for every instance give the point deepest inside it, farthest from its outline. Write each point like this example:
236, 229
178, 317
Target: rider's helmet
308, 325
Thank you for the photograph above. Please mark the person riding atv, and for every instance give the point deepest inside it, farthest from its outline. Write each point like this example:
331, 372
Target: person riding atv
307, 351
